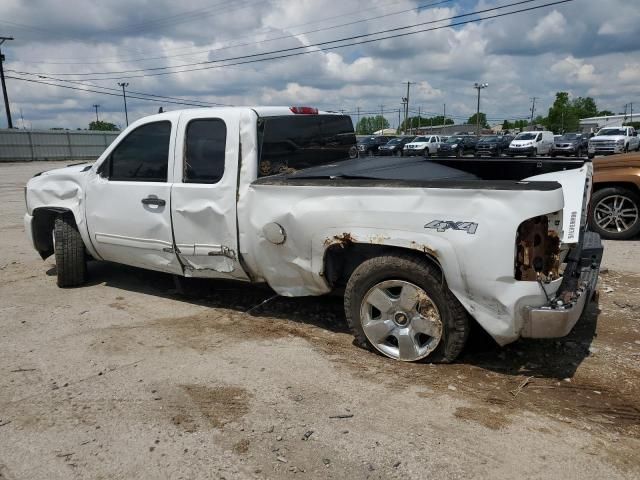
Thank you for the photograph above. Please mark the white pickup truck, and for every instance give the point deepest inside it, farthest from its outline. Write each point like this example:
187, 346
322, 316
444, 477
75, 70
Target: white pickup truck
614, 140
269, 194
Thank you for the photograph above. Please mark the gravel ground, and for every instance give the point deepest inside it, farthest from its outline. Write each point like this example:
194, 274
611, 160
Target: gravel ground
126, 378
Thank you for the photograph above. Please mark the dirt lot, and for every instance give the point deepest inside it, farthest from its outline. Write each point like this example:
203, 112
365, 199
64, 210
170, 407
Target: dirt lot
127, 378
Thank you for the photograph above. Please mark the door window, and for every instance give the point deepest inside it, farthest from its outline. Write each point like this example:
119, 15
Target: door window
143, 155
205, 148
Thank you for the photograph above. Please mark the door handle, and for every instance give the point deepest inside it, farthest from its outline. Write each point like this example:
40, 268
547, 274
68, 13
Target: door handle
154, 201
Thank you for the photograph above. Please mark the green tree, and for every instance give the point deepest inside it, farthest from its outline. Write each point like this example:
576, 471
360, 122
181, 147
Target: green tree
415, 122
103, 126
584, 107
483, 120
561, 117
368, 125
605, 113
507, 125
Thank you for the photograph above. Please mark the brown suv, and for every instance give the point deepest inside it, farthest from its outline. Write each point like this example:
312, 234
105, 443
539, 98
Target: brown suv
615, 203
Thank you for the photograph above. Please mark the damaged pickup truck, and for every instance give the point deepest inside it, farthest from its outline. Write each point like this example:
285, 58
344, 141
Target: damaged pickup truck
418, 248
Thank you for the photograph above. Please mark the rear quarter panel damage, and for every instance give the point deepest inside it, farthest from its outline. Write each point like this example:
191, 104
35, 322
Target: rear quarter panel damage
478, 267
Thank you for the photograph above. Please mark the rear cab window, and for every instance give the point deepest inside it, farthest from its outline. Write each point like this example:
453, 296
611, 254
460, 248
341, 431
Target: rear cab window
294, 142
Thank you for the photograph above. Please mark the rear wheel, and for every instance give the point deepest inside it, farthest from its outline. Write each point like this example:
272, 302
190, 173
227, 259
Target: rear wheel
615, 213
398, 306
71, 258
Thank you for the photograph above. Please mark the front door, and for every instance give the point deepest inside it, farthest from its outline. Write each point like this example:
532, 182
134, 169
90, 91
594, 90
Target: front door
128, 202
203, 195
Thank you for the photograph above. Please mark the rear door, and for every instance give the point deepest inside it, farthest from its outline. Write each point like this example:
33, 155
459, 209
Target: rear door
128, 200
203, 197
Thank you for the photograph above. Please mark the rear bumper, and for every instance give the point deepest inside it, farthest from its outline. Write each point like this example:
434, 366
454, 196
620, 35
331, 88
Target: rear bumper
558, 318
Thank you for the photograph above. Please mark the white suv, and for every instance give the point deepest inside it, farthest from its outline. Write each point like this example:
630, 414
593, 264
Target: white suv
423, 146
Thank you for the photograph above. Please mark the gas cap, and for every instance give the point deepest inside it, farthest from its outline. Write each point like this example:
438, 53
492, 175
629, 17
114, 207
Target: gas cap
274, 233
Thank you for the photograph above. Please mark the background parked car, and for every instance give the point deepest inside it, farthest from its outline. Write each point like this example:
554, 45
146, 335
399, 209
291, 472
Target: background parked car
612, 140
615, 203
493, 145
570, 144
424, 146
370, 145
394, 146
457, 145
531, 144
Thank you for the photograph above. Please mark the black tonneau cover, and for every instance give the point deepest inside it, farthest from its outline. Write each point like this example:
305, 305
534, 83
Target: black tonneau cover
492, 173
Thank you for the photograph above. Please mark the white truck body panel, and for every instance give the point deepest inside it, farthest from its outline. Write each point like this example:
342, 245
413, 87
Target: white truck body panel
220, 230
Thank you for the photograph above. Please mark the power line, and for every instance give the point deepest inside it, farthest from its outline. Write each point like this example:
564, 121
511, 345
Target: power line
319, 44
268, 40
106, 93
208, 51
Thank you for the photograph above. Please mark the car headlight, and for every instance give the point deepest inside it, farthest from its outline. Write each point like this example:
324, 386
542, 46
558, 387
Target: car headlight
455, 145
620, 142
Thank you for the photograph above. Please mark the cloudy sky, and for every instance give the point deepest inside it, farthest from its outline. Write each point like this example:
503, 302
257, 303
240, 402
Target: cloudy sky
206, 52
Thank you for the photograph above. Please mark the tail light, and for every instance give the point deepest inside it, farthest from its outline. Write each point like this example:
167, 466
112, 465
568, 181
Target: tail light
304, 110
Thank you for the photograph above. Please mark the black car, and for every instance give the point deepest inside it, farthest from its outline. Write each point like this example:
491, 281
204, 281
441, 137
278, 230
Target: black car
570, 144
457, 145
394, 146
369, 146
493, 145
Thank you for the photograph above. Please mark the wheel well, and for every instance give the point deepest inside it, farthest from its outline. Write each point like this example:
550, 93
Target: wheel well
43, 223
628, 185
341, 259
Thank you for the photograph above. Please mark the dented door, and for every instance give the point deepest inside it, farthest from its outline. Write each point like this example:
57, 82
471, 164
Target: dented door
203, 195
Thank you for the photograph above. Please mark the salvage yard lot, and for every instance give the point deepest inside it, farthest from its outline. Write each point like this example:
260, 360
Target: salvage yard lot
129, 378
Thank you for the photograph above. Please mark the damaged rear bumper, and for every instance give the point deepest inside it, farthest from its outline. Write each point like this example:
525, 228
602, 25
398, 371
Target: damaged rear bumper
580, 280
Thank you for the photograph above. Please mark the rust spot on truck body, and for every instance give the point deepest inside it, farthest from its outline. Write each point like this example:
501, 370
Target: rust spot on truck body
423, 248
343, 240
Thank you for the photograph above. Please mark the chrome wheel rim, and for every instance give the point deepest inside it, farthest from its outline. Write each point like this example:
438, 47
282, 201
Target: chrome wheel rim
400, 320
616, 214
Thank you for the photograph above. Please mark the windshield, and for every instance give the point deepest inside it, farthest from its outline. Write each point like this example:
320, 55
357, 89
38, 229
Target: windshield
612, 131
526, 136
295, 142
489, 139
570, 136
394, 141
419, 139
454, 139
367, 140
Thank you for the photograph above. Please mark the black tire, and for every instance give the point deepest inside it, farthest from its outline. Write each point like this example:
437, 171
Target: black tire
71, 257
600, 195
419, 271
534, 152
579, 152
591, 155
626, 148
425, 154
458, 153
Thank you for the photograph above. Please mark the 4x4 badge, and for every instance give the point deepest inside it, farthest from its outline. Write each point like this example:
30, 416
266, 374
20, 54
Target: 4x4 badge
444, 225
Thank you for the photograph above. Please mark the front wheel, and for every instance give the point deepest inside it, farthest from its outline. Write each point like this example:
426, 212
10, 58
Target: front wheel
71, 257
616, 213
398, 306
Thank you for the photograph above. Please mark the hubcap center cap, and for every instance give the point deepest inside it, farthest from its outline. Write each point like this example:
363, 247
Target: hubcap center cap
401, 319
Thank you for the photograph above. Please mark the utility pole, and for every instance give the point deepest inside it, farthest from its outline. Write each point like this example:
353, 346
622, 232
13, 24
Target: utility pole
124, 95
381, 118
479, 86
533, 108
444, 118
358, 117
95, 105
419, 116
398, 120
4, 85
631, 105
404, 112
405, 100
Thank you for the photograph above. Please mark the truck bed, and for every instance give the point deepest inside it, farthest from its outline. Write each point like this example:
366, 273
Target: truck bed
490, 173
